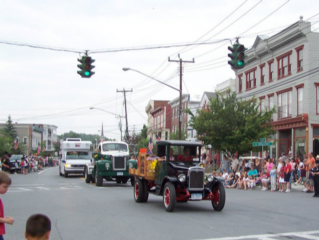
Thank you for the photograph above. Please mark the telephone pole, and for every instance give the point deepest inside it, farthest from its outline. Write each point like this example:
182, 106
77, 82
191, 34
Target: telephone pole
126, 130
180, 92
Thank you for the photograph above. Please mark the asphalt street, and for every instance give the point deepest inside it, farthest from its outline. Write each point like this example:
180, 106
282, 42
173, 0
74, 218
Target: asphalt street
83, 211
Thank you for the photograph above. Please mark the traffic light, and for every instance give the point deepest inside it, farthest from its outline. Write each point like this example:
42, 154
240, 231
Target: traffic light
86, 66
237, 56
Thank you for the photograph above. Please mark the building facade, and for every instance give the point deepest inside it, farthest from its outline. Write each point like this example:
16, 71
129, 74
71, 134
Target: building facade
49, 136
162, 118
225, 85
282, 72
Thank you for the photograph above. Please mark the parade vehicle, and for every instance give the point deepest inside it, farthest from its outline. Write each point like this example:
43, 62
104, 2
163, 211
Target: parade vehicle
75, 154
175, 173
111, 162
15, 161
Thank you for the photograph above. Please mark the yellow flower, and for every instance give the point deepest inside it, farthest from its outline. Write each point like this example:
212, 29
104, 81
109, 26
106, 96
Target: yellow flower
153, 164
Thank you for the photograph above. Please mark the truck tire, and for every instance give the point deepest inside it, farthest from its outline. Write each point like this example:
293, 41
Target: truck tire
98, 179
118, 180
132, 181
124, 180
218, 201
138, 190
88, 177
145, 190
60, 172
65, 174
169, 197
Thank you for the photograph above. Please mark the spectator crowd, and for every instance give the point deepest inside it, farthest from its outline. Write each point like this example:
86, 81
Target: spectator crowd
247, 173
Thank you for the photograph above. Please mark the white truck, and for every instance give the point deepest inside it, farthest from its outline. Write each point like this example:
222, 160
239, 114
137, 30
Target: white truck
76, 154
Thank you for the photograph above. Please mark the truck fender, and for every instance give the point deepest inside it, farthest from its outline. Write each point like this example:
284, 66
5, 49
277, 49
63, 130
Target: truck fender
168, 179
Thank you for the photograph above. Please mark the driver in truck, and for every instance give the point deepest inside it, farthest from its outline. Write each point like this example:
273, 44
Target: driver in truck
186, 156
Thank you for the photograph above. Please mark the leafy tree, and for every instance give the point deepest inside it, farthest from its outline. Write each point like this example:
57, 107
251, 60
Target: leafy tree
230, 124
9, 129
83, 136
144, 131
174, 135
6, 144
143, 143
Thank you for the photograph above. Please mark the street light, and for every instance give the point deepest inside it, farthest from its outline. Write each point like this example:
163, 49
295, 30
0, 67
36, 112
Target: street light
180, 97
117, 115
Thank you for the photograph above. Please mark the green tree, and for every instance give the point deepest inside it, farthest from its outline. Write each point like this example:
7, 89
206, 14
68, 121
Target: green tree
6, 144
143, 143
174, 135
9, 129
230, 124
144, 131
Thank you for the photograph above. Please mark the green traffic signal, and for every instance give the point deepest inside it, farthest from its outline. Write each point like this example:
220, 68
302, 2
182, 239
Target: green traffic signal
237, 56
86, 66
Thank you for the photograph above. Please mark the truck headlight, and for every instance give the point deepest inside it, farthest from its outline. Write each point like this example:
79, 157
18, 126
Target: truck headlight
182, 177
67, 165
210, 178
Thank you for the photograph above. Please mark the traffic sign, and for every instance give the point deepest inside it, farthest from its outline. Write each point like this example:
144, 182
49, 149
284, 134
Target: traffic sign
259, 144
262, 140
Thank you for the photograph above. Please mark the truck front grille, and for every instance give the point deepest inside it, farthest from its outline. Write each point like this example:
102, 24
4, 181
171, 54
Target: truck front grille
196, 178
119, 163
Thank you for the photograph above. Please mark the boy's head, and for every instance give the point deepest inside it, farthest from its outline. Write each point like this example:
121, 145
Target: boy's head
38, 227
5, 182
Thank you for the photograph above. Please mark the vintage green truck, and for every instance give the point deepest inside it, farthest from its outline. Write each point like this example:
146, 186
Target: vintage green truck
111, 162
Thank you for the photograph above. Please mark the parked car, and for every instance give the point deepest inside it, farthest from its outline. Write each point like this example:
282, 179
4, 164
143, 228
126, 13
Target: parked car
15, 161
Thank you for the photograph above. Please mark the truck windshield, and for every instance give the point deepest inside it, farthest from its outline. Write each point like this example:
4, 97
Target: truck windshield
77, 155
114, 147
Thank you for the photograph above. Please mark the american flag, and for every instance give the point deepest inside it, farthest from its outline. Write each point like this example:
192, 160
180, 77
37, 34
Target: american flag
157, 138
150, 145
39, 149
16, 144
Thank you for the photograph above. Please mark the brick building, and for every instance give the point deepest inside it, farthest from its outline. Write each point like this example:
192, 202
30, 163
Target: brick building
162, 118
282, 71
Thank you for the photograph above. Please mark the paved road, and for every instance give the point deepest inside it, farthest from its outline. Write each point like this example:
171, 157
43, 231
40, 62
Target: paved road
84, 211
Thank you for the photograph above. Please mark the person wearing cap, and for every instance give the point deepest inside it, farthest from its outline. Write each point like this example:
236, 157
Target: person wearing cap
315, 174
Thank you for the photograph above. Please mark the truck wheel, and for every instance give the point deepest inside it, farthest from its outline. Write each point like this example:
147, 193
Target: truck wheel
138, 190
98, 179
60, 171
88, 177
132, 181
219, 198
145, 190
124, 180
65, 174
169, 197
118, 180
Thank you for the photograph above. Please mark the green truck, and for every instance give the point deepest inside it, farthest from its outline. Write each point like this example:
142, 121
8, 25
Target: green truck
111, 162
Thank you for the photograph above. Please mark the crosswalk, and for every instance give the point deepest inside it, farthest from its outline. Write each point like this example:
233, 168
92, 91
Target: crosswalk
309, 235
42, 187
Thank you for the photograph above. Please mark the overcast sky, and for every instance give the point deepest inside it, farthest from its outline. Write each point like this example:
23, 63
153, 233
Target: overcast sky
42, 86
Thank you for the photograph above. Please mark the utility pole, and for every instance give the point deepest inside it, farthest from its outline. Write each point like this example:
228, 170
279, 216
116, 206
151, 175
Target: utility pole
126, 130
180, 92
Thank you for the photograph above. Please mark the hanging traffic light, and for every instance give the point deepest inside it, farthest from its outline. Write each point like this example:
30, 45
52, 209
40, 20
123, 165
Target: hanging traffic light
86, 66
237, 56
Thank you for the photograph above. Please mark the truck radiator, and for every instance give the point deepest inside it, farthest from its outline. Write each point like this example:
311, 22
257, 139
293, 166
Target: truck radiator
196, 178
119, 163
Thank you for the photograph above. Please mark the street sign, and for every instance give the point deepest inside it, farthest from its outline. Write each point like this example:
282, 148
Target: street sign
262, 140
260, 144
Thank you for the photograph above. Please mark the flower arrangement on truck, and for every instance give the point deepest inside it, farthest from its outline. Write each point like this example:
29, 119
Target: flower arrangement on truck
176, 175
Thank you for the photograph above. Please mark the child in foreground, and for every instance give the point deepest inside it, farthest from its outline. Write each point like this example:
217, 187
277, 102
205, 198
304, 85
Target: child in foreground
5, 182
38, 227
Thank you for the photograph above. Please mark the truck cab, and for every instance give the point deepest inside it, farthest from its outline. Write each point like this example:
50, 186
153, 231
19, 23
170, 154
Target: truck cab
111, 162
75, 155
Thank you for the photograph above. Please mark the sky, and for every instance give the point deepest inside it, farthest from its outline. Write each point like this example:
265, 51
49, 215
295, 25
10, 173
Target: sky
42, 86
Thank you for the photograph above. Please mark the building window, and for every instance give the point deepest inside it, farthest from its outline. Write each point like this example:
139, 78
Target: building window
262, 104
299, 100
299, 51
284, 65
284, 104
162, 121
271, 105
271, 70
250, 79
240, 83
262, 74
25, 140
